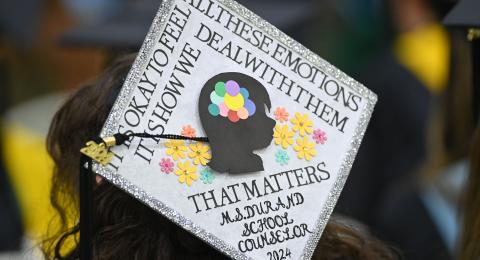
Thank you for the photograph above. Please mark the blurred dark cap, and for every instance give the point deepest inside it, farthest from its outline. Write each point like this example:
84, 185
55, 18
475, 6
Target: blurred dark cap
465, 14
441, 7
127, 29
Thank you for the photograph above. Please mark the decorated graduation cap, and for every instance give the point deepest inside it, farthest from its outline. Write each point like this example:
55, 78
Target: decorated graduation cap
233, 131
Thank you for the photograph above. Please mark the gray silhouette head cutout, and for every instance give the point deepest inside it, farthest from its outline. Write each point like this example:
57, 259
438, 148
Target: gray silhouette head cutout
232, 111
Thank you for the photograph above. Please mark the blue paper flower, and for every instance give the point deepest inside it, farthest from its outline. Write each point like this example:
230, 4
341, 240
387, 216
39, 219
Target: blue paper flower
281, 157
207, 176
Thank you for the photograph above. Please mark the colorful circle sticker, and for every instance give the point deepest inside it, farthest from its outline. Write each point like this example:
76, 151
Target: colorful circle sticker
214, 110
244, 93
223, 110
220, 89
232, 88
234, 102
242, 113
216, 99
250, 106
231, 101
232, 116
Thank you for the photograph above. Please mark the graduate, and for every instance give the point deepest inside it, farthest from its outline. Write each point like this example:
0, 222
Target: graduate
223, 138
124, 227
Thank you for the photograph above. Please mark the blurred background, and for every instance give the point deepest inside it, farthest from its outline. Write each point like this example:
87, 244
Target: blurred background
412, 165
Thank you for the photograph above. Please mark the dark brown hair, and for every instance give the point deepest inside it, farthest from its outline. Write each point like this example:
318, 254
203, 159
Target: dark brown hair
124, 227
453, 138
470, 248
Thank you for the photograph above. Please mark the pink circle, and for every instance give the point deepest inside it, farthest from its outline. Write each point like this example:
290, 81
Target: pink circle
242, 113
232, 116
223, 110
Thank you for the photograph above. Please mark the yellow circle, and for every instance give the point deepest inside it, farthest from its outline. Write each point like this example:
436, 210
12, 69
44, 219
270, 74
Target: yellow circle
234, 103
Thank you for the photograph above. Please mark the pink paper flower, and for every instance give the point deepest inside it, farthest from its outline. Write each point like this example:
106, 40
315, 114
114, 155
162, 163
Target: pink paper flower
281, 114
166, 165
188, 131
319, 136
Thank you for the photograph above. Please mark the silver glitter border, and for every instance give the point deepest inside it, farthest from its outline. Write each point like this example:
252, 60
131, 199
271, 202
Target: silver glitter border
111, 126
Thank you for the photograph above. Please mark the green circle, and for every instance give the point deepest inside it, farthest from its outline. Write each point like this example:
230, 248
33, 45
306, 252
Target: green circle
220, 89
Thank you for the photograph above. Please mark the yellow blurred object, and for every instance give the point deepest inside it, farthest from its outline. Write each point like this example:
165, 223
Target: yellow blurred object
425, 51
30, 171
30, 168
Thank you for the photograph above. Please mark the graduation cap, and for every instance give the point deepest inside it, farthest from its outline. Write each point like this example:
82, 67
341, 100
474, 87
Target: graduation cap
465, 14
233, 131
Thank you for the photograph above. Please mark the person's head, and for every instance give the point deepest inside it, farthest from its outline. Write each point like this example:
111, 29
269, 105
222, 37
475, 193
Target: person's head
232, 111
126, 228
407, 15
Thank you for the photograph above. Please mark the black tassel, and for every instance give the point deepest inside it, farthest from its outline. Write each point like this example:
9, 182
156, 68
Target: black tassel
87, 178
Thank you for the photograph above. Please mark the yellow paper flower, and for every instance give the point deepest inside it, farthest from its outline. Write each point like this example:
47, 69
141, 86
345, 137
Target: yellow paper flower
302, 124
200, 153
186, 172
305, 149
176, 149
283, 136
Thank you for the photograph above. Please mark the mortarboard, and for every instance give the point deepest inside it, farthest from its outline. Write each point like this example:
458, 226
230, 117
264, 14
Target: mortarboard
233, 131
465, 13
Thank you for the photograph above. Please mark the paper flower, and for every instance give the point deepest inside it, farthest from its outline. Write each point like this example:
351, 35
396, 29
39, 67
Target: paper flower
302, 124
176, 149
281, 115
166, 165
188, 131
305, 149
319, 136
186, 172
281, 157
283, 136
200, 153
207, 176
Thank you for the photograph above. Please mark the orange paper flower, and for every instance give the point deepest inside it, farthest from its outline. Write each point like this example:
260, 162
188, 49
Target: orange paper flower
281, 114
188, 131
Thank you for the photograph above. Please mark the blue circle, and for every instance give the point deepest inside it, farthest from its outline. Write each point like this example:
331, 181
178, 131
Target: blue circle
250, 106
213, 110
244, 93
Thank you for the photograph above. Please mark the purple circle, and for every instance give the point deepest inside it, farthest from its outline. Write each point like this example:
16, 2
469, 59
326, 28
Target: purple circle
232, 88
250, 106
